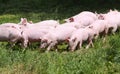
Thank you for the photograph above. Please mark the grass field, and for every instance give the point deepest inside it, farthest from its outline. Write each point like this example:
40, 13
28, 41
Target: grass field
104, 58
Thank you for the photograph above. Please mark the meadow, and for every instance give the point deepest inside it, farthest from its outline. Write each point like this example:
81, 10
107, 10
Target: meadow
104, 58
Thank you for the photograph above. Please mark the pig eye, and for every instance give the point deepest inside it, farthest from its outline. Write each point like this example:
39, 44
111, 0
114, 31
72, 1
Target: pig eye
20, 28
74, 39
90, 26
51, 41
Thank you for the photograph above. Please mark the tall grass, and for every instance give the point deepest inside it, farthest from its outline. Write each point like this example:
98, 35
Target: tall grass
104, 58
101, 59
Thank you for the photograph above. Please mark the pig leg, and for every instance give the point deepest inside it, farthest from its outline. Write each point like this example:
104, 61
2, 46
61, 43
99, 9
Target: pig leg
25, 42
13, 41
105, 34
75, 45
97, 34
89, 43
80, 44
114, 29
51, 45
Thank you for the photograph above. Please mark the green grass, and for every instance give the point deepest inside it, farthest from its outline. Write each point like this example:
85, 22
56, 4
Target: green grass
99, 60
104, 58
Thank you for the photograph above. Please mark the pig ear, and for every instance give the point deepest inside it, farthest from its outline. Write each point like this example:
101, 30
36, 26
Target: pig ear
21, 19
68, 39
96, 13
66, 20
24, 21
115, 10
71, 19
101, 17
110, 10
30, 22
58, 21
45, 40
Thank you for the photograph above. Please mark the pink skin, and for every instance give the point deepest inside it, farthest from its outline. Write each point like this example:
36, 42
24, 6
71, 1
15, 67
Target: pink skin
72, 24
85, 18
112, 18
10, 34
33, 34
78, 37
99, 26
60, 34
48, 23
18, 27
52, 23
83, 15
